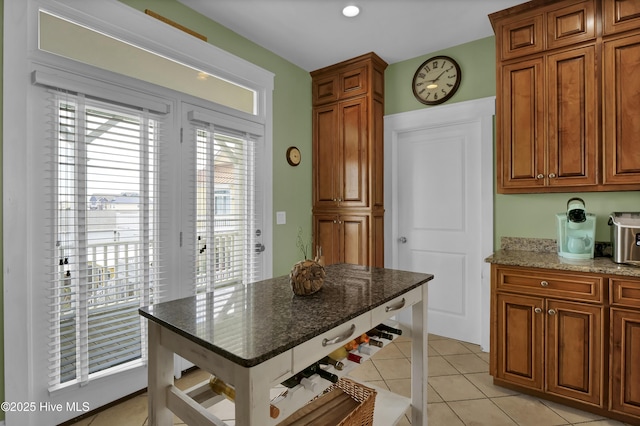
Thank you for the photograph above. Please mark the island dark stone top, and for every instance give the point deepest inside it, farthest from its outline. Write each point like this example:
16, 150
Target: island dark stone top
251, 324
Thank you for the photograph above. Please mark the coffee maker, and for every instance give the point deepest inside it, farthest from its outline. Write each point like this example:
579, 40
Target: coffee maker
576, 231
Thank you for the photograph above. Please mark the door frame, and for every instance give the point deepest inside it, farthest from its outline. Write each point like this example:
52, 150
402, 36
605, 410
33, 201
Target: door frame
479, 110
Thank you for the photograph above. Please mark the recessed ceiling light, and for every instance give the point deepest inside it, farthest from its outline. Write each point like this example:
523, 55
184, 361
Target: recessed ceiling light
351, 11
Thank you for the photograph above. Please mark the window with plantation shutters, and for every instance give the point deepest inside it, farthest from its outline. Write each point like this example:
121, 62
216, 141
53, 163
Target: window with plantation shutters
100, 193
104, 254
226, 199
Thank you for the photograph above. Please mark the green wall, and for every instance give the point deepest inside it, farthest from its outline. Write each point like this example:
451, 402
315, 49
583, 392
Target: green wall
515, 215
1, 222
520, 215
291, 124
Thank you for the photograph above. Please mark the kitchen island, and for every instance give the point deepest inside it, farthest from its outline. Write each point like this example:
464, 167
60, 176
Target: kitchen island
258, 335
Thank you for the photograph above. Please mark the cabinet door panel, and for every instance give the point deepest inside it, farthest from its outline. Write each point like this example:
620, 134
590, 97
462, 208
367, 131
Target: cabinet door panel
570, 25
625, 362
325, 231
622, 110
519, 344
621, 15
354, 82
574, 350
325, 89
325, 156
572, 136
355, 239
353, 115
522, 37
522, 136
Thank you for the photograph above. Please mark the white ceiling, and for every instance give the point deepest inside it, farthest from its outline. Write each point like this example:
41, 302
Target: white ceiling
313, 33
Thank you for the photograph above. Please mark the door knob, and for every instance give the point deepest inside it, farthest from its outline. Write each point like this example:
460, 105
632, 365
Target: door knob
402, 240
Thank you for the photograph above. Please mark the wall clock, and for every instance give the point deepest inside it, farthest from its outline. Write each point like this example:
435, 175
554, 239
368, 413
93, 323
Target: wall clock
436, 80
293, 156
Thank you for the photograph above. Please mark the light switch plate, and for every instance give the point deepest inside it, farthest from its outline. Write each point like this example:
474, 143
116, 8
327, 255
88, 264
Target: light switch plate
281, 218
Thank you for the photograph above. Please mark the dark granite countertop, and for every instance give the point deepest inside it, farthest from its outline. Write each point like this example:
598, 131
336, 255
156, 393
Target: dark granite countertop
546, 260
251, 324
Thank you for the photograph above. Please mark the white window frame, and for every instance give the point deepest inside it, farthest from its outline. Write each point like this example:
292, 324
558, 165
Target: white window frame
21, 55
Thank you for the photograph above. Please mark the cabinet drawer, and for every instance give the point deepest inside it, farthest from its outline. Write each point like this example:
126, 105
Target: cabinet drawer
312, 350
625, 292
574, 286
391, 308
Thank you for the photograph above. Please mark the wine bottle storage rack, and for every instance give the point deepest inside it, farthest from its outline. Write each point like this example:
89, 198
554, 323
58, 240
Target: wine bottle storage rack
289, 400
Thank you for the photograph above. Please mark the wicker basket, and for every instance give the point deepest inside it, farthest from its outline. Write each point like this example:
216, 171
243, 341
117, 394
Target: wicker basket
345, 403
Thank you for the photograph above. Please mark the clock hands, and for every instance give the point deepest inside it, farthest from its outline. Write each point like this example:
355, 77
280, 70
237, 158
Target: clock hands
438, 77
435, 79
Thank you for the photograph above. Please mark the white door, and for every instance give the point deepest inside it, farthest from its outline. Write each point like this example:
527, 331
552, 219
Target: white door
440, 219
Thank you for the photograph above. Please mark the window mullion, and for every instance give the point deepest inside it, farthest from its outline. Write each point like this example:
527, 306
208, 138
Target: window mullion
145, 225
82, 279
212, 266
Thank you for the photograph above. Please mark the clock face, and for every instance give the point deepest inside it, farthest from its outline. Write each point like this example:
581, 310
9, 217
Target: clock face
293, 156
436, 80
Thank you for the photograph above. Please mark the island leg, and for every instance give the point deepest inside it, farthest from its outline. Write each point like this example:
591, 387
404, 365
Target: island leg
252, 395
419, 360
160, 378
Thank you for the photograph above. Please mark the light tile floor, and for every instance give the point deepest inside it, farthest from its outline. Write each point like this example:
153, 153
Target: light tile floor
461, 392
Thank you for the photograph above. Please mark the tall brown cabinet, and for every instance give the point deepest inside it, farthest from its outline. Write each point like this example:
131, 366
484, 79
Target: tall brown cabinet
348, 198
567, 110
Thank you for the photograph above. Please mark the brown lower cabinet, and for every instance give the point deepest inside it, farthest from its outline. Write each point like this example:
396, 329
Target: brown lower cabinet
343, 238
559, 335
625, 346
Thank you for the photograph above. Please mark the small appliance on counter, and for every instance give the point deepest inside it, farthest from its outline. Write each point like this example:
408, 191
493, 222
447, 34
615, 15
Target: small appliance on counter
576, 231
625, 237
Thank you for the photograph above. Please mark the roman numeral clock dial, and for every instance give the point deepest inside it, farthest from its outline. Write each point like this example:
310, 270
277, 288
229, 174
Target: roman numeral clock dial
436, 80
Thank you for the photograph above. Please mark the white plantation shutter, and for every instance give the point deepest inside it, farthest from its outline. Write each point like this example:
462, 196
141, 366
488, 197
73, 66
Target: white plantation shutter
225, 229
105, 226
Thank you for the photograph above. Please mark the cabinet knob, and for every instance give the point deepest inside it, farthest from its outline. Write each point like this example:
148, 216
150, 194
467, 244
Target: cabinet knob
552, 312
538, 310
544, 283
540, 176
552, 175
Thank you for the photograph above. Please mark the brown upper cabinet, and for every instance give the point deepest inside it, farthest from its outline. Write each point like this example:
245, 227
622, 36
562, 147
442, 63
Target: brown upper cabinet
565, 111
348, 199
621, 15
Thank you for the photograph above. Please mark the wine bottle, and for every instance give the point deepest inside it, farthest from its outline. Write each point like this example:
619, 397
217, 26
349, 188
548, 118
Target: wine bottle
221, 388
385, 327
316, 369
378, 333
330, 361
377, 343
364, 349
355, 358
